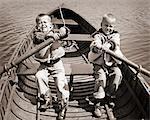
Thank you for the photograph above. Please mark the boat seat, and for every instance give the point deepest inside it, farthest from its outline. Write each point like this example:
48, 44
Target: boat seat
79, 37
67, 21
70, 69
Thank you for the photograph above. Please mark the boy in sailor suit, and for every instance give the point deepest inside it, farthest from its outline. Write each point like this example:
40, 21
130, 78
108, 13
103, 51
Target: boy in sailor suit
105, 38
51, 63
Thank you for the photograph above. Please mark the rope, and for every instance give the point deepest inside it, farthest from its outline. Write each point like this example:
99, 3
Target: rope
60, 10
63, 20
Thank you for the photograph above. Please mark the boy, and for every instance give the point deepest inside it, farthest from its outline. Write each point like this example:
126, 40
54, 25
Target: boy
105, 38
51, 63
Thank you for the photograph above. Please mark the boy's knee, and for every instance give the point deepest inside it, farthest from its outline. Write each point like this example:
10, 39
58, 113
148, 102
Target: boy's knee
38, 74
117, 71
101, 78
42, 73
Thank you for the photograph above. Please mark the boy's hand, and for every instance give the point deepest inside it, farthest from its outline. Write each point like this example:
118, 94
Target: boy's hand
106, 46
64, 31
67, 30
40, 35
97, 44
96, 47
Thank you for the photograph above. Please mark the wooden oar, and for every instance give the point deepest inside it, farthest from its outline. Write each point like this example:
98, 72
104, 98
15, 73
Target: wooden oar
128, 62
6, 67
44, 44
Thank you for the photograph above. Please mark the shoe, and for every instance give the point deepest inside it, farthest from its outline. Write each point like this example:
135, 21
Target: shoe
41, 99
61, 115
48, 98
45, 102
97, 112
62, 112
47, 105
111, 104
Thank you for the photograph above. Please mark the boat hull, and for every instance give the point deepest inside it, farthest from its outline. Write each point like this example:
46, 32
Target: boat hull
132, 99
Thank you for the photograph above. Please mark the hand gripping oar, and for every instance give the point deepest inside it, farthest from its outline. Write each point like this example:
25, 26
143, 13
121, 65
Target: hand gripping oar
131, 64
6, 67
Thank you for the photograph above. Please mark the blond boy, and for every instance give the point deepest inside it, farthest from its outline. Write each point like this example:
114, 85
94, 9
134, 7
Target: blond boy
105, 38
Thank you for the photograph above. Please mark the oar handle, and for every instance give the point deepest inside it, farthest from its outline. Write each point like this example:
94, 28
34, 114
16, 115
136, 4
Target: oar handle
128, 62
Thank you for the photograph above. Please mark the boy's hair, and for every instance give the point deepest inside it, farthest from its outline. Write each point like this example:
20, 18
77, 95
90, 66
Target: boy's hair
109, 18
41, 15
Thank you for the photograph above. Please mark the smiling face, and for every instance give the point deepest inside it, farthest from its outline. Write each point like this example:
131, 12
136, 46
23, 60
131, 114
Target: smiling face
44, 24
108, 24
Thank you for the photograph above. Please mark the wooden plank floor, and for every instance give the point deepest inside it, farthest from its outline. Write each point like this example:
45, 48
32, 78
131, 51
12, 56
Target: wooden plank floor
79, 108
21, 108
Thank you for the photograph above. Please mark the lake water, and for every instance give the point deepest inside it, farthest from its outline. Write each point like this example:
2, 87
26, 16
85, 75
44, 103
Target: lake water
133, 22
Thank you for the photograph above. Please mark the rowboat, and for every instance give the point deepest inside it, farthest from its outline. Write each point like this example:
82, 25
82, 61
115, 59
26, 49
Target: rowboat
19, 89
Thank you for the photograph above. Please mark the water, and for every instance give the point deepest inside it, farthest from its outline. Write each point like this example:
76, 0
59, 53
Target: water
18, 16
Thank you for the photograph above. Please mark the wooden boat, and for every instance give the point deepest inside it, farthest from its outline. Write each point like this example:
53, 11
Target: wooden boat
19, 91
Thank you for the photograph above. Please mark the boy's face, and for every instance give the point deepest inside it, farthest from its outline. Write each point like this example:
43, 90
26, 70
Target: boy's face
107, 26
44, 24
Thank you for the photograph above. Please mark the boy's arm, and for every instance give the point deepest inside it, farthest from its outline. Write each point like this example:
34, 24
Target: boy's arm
115, 46
64, 32
38, 37
113, 43
95, 48
96, 45
58, 53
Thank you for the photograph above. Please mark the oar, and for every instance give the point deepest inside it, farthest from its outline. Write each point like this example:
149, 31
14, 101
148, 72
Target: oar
6, 67
128, 62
